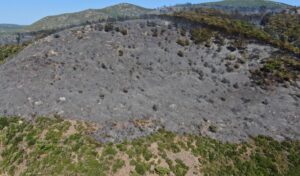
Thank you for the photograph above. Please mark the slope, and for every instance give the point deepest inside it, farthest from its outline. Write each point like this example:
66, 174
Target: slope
152, 71
247, 6
92, 15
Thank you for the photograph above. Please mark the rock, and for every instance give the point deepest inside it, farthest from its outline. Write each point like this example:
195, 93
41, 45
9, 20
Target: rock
173, 106
62, 99
152, 168
60, 113
52, 53
30, 100
38, 103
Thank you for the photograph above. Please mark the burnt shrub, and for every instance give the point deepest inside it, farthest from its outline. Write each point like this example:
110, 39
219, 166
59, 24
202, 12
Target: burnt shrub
108, 27
124, 31
121, 52
180, 54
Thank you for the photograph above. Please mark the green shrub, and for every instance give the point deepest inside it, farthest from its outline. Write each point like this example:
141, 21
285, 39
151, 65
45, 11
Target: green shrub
277, 69
201, 35
109, 150
161, 171
183, 42
3, 122
180, 169
141, 168
212, 21
121, 53
259, 156
118, 165
9, 50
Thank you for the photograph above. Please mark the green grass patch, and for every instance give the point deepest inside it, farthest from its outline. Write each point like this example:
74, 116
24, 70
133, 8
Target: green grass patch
42, 147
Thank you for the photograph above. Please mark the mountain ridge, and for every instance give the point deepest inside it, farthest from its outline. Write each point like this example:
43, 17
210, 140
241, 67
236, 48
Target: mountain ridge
9, 27
249, 3
130, 10
247, 6
89, 15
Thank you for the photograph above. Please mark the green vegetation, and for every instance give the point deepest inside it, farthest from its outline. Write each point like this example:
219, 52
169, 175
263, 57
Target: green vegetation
284, 27
118, 165
180, 169
278, 69
9, 50
215, 21
201, 35
183, 42
63, 147
161, 171
88, 16
282, 31
121, 53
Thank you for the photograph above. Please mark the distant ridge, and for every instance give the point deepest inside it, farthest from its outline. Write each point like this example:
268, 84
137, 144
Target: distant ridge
247, 5
9, 27
77, 18
131, 10
91, 15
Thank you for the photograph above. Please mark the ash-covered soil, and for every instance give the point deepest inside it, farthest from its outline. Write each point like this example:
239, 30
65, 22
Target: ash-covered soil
136, 83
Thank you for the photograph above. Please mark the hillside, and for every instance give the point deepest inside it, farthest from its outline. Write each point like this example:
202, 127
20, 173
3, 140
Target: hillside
15, 34
284, 27
92, 15
247, 6
4, 28
248, 3
64, 147
197, 92
160, 74
126, 10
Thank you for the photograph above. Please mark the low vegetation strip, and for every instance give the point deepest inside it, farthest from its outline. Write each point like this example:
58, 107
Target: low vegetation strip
277, 69
53, 146
226, 25
9, 50
284, 27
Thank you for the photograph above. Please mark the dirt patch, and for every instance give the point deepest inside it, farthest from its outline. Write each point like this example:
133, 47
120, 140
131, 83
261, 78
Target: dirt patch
127, 168
189, 159
72, 129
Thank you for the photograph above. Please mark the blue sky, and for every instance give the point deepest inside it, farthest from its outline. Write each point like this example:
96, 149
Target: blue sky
29, 11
